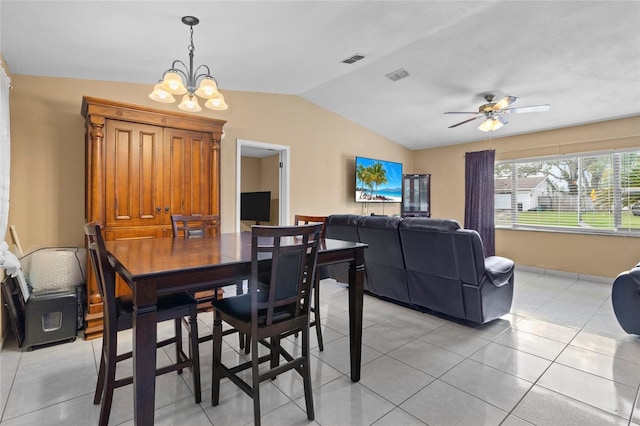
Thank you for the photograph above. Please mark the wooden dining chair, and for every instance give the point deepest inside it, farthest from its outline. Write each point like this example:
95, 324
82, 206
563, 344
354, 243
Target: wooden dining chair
271, 311
188, 226
118, 316
201, 226
198, 226
322, 272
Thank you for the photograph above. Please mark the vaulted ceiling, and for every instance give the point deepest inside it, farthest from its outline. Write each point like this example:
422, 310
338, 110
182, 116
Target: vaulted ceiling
581, 57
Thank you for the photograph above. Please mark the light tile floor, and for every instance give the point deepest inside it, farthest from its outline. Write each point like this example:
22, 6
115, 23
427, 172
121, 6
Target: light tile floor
559, 358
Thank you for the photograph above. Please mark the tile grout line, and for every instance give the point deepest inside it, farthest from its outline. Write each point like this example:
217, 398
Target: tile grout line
555, 360
13, 380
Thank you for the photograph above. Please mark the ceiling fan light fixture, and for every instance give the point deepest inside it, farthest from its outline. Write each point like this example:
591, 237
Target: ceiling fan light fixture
493, 113
490, 125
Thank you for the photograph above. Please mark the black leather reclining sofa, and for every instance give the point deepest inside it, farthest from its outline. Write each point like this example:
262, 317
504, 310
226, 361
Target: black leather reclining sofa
428, 264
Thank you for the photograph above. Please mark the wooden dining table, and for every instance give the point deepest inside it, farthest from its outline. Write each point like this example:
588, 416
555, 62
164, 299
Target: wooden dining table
156, 266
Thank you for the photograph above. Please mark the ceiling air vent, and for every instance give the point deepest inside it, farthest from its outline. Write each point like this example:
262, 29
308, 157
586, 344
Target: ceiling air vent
354, 58
397, 74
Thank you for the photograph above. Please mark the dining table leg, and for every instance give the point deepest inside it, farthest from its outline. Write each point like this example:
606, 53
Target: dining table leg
144, 356
356, 292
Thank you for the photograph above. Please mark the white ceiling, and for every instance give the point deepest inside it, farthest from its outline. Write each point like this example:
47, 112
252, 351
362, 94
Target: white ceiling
582, 57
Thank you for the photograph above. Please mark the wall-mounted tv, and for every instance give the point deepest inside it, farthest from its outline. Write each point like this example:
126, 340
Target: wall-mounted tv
255, 206
378, 181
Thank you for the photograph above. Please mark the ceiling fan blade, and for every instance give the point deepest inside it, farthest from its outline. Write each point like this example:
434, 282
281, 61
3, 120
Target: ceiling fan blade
504, 102
461, 112
466, 121
532, 108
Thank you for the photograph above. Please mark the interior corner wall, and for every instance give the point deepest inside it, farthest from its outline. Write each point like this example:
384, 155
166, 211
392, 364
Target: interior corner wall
594, 255
47, 166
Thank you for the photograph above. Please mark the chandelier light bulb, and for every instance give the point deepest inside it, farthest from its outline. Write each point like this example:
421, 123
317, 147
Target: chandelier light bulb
190, 104
161, 95
217, 103
172, 83
208, 88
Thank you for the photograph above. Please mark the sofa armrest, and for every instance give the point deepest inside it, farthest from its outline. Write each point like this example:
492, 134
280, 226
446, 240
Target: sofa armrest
635, 274
499, 270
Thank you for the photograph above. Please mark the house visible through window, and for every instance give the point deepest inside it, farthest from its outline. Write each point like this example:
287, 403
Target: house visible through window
588, 193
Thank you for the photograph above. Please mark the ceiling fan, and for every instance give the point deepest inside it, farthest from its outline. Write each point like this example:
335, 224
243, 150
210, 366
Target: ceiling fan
493, 112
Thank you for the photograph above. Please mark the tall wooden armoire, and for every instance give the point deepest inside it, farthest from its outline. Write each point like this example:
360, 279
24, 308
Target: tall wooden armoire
142, 166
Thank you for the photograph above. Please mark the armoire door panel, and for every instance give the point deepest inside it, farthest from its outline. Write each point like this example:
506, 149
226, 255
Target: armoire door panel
133, 174
120, 168
188, 179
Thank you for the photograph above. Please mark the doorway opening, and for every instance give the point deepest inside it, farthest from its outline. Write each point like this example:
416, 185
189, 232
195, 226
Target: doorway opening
266, 168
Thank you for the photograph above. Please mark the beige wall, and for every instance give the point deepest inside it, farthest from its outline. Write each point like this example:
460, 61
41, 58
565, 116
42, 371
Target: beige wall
47, 176
603, 256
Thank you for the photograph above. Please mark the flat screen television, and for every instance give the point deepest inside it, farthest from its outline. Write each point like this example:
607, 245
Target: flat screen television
378, 181
255, 206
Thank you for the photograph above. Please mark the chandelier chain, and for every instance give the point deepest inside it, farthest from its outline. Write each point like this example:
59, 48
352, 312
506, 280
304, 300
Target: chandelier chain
192, 48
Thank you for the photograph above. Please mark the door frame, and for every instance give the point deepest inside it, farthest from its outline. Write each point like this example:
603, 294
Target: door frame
283, 176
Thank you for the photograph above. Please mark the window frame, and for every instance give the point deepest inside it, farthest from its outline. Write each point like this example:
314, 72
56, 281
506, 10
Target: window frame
617, 190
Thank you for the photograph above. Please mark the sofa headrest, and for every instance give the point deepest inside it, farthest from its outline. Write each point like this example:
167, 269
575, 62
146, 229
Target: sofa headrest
428, 224
384, 222
343, 219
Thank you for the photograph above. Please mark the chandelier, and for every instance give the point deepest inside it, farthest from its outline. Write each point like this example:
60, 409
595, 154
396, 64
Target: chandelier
183, 80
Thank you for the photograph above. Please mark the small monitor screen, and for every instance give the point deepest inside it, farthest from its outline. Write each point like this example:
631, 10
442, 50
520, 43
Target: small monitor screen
255, 206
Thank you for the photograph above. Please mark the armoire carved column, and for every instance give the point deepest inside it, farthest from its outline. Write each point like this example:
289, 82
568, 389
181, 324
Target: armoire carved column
141, 166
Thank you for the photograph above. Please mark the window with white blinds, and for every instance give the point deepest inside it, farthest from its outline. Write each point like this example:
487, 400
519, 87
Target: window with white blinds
586, 193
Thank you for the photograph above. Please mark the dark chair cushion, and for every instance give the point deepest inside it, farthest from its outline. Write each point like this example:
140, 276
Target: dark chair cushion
166, 304
240, 307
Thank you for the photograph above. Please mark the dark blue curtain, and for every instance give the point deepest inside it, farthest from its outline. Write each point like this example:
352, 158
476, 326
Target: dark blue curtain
479, 197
